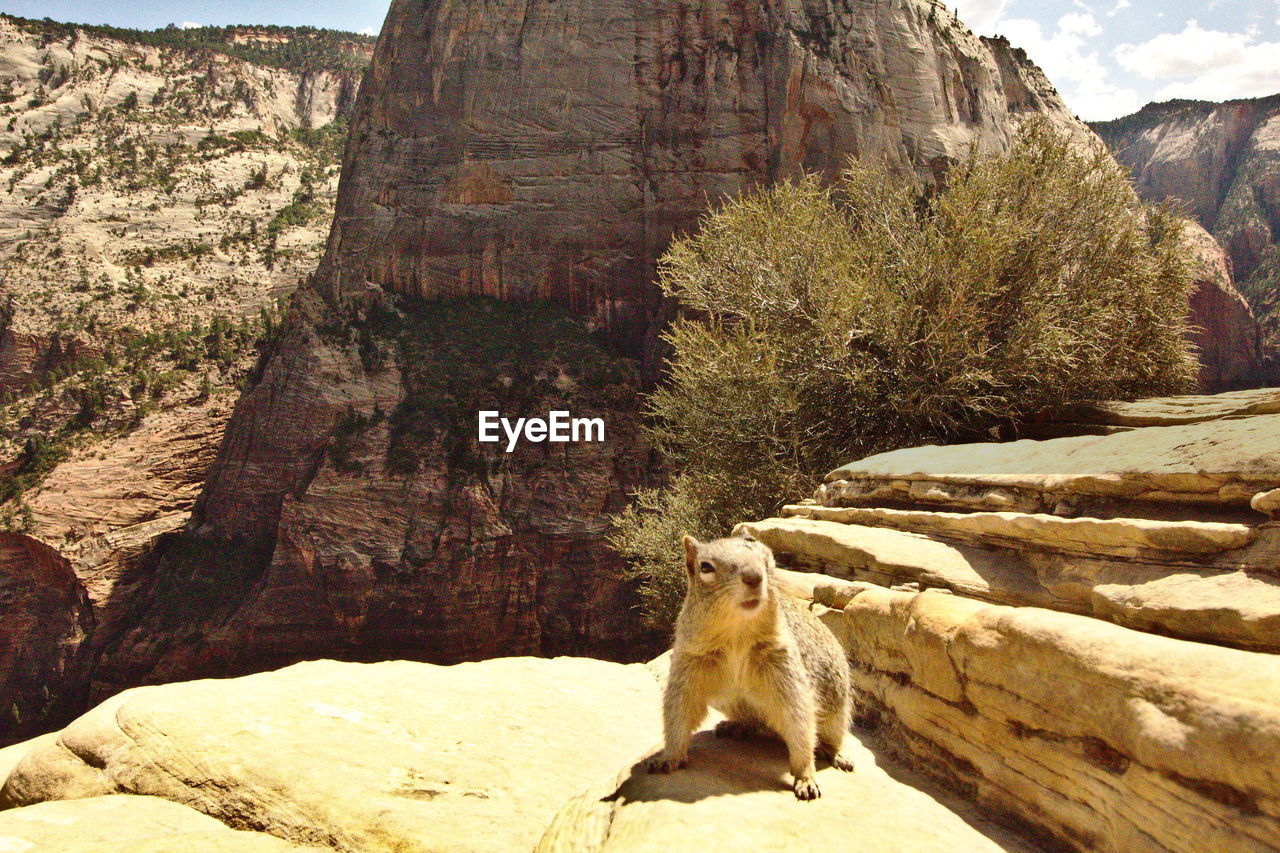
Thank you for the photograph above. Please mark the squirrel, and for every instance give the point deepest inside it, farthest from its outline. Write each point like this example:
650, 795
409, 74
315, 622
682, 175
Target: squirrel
758, 656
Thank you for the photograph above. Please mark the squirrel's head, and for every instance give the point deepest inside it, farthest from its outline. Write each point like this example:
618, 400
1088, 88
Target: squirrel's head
732, 572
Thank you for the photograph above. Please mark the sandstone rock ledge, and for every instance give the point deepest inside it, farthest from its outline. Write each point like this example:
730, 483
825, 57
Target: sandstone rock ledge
984, 728
1103, 737
1168, 528
393, 756
412, 757
732, 797
128, 824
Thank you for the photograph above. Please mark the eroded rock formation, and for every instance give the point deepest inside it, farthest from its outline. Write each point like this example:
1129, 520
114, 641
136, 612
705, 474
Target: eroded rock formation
1222, 161
504, 156
547, 150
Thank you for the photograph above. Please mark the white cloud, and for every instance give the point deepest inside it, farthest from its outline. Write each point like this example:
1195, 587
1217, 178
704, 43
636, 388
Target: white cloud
1080, 24
190, 25
1206, 64
368, 31
1120, 6
981, 15
1071, 66
1192, 51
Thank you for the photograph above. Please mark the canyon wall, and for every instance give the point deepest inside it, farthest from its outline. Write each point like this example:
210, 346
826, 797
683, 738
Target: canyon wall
532, 150
1221, 162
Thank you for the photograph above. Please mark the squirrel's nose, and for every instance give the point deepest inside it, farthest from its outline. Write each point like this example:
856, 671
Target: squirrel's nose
751, 579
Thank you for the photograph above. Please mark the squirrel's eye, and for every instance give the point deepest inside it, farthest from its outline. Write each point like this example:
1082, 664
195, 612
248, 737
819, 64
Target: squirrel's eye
706, 568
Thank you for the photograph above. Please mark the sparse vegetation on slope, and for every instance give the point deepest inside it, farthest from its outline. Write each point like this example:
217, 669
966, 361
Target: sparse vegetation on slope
287, 48
90, 398
159, 191
824, 325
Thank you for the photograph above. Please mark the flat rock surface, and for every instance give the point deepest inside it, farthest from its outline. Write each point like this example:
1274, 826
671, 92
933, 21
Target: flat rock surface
393, 756
735, 796
1188, 408
1222, 461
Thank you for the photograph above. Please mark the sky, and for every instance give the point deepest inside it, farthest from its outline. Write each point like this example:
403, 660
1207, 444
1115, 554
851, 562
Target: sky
1109, 57
1106, 57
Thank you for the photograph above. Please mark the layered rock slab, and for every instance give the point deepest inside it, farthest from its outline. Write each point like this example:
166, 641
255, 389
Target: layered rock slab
1106, 738
391, 756
1215, 465
1168, 593
1160, 525
1120, 415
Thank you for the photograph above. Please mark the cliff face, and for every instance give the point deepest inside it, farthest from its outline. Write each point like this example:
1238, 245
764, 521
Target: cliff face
44, 621
503, 153
530, 150
1222, 161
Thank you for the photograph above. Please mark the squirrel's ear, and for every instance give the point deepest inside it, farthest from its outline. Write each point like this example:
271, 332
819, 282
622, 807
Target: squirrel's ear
690, 552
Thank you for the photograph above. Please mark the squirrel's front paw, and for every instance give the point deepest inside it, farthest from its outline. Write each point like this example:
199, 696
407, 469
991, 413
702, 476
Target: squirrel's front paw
664, 763
840, 761
806, 788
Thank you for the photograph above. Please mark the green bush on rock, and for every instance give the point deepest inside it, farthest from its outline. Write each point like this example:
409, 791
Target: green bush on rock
824, 324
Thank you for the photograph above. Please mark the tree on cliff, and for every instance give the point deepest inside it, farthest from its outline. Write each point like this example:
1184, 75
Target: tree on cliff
825, 324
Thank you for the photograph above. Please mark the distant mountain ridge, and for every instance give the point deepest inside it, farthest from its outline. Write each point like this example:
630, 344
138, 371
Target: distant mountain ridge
1222, 162
287, 48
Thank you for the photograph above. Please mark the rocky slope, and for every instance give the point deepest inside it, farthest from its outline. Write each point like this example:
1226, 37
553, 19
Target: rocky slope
507, 155
149, 187
159, 194
1222, 161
